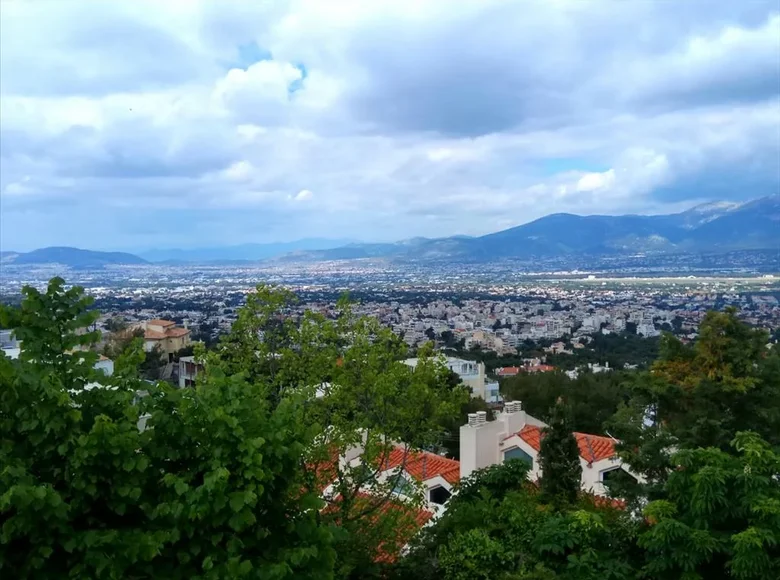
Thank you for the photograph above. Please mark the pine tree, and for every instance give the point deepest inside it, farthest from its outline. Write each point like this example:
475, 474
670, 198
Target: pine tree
559, 458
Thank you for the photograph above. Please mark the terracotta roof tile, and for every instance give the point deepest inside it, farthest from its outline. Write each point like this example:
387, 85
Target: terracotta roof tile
160, 322
592, 447
169, 333
409, 521
176, 332
153, 335
423, 465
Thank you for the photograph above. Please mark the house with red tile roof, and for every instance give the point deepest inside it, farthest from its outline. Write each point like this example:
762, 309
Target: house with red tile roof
517, 435
508, 371
407, 521
166, 335
436, 475
410, 487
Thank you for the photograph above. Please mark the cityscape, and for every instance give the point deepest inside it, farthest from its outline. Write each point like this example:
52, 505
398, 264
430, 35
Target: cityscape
389, 290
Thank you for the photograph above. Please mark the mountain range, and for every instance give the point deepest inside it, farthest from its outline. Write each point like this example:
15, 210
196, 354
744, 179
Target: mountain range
713, 228
247, 252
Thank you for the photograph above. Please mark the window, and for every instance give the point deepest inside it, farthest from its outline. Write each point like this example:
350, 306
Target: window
517, 453
403, 487
614, 475
439, 495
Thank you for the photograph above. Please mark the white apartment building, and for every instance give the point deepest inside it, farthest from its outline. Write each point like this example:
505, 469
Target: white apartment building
517, 435
472, 374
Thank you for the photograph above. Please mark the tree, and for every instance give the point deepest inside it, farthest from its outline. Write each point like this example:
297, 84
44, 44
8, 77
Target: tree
116, 324
721, 515
362, 403
559, 458
499, 528
699, 396
209, 488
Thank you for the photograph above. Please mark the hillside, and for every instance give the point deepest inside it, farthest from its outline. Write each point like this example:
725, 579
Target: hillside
74, 257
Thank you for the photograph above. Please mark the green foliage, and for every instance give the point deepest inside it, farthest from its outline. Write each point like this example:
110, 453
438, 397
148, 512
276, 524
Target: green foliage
559, 459
54, 329
360, 401
209, 489
699, 396
501, 528
721, 515
592, 398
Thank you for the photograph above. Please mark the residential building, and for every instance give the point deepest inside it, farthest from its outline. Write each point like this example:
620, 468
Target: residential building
7, 339
166, 335
106, 365
188, 371
516, 434
472, 374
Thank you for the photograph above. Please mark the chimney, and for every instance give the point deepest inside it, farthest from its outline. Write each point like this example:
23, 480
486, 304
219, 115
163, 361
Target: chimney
509, 407
481, 417
472, 419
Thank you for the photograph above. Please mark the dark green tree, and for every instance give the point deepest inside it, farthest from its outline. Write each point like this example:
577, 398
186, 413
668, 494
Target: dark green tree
559, 459
699, 396
114, 478
498, 528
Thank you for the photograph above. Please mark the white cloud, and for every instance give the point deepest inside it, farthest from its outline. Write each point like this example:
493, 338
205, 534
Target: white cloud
406, 118
303, 195
594, 181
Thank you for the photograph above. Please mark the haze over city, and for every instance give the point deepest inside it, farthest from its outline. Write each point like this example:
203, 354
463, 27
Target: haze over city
139, 125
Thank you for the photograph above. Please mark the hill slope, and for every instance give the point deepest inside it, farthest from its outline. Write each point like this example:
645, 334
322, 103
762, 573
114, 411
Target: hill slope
75, 257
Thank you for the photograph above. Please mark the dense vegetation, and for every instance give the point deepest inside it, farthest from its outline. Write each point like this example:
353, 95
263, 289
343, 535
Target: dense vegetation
592, 398
114, 477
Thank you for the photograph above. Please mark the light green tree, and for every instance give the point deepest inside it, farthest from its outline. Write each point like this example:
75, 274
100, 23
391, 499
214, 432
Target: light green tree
720, 517
362, 404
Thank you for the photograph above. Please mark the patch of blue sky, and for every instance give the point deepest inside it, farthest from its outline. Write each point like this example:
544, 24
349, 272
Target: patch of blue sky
556, 165
249, 54
297, 84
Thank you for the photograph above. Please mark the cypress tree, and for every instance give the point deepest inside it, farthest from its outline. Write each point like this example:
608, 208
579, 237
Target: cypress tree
559, 458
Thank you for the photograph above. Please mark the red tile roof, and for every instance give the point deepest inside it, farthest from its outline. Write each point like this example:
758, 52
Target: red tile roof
592, 447
540, 368
508, 371
168, 333
176, 332
423, 465
160, 322
325, 471
409, 520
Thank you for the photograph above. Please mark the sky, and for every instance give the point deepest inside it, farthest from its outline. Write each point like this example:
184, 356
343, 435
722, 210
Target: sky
135, 125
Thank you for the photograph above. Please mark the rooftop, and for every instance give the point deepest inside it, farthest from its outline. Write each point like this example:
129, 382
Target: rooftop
423, 465
592, 447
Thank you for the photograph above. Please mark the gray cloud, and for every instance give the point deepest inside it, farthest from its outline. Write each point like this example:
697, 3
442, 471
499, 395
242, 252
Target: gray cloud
401, 119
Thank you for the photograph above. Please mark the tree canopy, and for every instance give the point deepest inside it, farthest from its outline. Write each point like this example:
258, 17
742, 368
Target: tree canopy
117, 477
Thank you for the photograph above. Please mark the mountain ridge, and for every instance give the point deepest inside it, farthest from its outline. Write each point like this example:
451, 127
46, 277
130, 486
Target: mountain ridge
711, 227
719, 226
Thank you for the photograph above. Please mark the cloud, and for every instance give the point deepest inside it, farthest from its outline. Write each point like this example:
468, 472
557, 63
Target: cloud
302, 195
406, 118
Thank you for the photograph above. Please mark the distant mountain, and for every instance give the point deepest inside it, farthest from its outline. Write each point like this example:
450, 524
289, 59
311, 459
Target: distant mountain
243, 252
713, 227
73, 257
